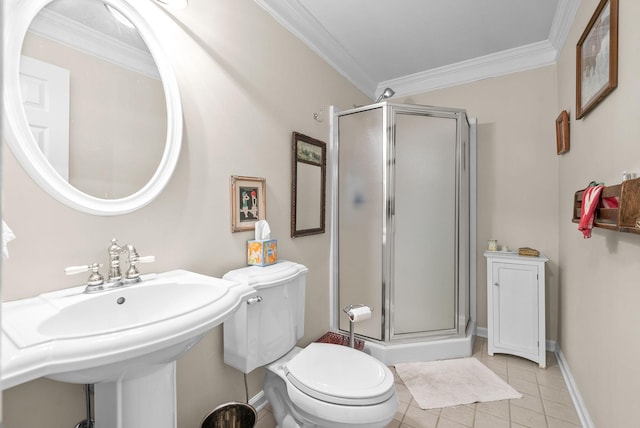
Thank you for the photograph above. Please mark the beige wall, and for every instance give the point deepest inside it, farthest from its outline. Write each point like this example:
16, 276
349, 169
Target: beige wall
246, 84
599, 282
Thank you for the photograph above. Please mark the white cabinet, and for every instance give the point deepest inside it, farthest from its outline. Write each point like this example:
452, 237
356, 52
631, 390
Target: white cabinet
516, 305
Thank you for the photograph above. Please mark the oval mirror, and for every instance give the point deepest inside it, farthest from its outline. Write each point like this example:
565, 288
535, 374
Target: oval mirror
91, 104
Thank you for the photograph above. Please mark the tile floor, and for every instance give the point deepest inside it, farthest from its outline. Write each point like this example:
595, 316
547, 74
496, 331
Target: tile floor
546, 402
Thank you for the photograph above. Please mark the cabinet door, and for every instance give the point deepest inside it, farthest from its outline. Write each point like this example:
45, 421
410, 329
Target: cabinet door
515, 307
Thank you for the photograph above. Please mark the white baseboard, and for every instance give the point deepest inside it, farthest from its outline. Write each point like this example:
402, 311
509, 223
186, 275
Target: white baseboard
258, 401
581, 409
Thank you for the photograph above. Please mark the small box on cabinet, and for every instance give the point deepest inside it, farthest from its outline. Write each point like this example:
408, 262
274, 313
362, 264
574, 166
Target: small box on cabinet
262, 252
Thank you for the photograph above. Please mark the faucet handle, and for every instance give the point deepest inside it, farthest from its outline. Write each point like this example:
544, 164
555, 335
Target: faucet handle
94, 279
133, 274
146, 259
72, 270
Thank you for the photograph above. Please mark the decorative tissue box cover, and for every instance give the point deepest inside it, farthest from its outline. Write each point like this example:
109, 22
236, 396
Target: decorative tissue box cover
262, 252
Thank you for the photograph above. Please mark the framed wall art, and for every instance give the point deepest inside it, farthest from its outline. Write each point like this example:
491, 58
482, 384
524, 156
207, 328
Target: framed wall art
248, 202
597, 58
562, 132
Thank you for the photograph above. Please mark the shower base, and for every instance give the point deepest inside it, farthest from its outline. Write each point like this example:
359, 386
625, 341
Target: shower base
428, 350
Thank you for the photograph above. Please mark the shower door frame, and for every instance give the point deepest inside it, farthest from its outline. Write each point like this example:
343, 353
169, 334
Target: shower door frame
458, 115
462, 156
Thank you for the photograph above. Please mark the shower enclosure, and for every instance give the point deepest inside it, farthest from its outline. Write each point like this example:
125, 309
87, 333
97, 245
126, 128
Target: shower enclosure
402, 205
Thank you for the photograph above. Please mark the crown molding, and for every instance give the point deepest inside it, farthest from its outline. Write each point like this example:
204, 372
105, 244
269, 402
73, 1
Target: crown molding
561, 25
506, 62
498, 64
85, 39
295, 18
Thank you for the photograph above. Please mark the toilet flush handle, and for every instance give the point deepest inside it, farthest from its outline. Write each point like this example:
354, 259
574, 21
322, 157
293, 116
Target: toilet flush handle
253, 300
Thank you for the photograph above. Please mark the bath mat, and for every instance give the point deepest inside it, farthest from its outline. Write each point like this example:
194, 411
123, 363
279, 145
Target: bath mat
445, 383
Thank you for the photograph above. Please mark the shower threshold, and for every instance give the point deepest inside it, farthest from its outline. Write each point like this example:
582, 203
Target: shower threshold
391, 353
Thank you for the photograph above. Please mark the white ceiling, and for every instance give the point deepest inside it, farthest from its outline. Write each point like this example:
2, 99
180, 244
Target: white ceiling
415, 46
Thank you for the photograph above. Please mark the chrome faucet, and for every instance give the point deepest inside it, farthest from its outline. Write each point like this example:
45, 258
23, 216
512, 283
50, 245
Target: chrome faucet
96, 282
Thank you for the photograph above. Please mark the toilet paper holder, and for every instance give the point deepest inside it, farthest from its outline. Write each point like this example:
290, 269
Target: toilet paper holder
349, 310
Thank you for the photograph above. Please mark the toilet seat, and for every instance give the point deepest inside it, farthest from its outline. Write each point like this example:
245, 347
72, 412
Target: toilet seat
340, 375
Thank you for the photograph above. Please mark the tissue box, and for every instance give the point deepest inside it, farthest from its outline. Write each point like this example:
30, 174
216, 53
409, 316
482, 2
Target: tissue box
262, 252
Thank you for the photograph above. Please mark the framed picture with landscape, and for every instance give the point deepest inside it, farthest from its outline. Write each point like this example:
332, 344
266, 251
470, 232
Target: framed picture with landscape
597, 58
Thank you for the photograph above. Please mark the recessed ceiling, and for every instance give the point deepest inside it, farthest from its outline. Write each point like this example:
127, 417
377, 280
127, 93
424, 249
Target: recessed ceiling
420, 45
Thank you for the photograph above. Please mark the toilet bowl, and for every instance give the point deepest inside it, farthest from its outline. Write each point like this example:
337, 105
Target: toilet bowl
331, 386
322, 385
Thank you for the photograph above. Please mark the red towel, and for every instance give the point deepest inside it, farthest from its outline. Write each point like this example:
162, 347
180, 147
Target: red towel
610, 202
590, 200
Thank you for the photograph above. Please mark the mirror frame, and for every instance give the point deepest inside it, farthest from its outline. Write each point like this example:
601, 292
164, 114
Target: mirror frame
296, 139
16, 132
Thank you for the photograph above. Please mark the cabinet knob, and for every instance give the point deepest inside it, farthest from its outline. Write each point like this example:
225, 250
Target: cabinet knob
496, 284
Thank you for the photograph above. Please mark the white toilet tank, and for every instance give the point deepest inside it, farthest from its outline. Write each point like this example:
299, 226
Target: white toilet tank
269, 324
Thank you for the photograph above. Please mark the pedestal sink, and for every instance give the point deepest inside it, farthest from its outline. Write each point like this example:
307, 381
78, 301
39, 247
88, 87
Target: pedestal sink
124, 340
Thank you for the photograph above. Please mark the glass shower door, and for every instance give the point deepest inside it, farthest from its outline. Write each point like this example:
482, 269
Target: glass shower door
425, 225
361, 199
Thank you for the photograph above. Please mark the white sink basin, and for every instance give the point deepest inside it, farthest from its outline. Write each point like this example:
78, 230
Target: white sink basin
127, 308
121, 333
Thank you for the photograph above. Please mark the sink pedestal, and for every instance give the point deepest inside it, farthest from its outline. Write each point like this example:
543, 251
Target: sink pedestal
145, 401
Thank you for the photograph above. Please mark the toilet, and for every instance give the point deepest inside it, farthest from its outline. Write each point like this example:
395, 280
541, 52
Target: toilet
322, 385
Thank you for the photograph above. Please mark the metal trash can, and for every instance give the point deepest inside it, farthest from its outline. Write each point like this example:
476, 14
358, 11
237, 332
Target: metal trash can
231, 415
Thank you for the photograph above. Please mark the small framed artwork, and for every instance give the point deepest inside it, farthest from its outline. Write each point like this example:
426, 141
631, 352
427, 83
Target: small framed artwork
562, 132
248, 202
597, 58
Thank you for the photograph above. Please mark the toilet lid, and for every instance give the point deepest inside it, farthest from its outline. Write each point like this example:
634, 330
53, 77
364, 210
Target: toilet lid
340, 375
